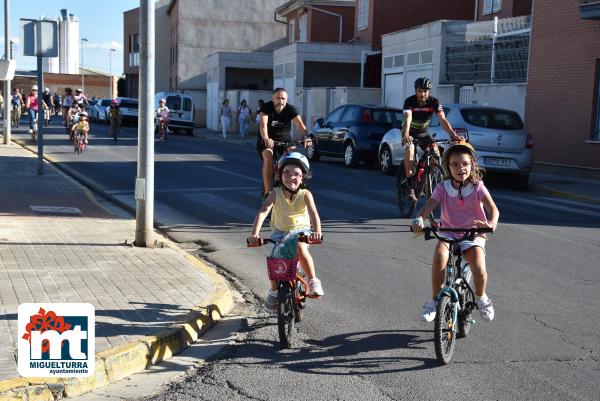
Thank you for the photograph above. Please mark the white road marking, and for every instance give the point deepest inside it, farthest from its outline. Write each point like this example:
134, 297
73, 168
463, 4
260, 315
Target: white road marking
246, 177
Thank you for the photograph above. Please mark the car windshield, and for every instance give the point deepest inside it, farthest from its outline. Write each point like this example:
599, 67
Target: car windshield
383, 116
491, 118
130, 104
173, 102
105, 102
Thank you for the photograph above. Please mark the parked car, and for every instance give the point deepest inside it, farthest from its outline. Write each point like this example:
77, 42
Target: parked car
181, 111
498, 136
352, 131
98, 111
129, 110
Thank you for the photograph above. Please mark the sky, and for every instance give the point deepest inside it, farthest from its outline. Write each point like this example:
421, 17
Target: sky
100, 22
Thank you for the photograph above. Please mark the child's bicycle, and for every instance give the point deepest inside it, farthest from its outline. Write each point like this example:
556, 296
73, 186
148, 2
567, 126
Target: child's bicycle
78, 142
292, 290
163, 129
428, 173
456, 301
115, 128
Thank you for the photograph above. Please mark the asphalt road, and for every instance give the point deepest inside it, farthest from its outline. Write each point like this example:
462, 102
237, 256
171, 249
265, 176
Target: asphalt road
362, 340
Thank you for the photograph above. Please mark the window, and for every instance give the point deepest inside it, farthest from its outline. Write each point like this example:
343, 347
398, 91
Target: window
388, 62
334, 117
303, 33
173, 102
363, 14
353, 113
427, 57
491, 6
490, 118
399, 60
187, 104
292, 31
596, 126
134, 50
413, 58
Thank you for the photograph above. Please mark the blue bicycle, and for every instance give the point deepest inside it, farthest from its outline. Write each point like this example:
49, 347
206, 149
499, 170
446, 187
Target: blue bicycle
456, 301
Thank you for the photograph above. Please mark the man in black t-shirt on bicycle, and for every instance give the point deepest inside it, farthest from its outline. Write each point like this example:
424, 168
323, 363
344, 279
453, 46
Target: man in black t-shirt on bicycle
418, 110
276, 117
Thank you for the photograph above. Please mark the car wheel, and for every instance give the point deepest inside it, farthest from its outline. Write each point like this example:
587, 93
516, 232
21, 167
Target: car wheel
385, 161
311, 151
350, 157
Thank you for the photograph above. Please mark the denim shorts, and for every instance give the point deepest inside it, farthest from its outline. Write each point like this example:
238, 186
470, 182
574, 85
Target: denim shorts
277, 235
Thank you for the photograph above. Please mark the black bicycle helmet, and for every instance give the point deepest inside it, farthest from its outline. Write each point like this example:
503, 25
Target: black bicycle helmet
423, 83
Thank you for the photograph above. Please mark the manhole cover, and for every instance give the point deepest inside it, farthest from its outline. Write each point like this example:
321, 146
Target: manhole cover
59, 210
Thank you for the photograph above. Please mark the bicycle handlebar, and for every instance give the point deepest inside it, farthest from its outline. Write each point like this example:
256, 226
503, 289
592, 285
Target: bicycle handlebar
301, 238
469, 233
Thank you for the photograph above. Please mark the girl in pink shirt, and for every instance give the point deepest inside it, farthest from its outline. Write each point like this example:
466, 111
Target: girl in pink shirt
465, 202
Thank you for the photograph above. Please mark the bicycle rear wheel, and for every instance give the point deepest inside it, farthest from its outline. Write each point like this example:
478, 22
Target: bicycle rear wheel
285, 315
444, 335
406, 205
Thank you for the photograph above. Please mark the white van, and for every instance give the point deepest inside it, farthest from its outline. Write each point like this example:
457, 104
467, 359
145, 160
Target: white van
181, 110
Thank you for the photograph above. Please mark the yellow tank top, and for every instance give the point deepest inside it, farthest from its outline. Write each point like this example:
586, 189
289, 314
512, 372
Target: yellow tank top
288, 216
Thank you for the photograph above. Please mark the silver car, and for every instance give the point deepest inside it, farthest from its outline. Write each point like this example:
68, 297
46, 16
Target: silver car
498, 136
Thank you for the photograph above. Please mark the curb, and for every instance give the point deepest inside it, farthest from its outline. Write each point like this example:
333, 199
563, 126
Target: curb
569, 195
127, 359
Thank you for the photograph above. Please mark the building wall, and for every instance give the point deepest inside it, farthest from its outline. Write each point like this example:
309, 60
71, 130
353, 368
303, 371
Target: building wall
95, 85
509, 8
386, 16
205, 27
560, 91
322, 27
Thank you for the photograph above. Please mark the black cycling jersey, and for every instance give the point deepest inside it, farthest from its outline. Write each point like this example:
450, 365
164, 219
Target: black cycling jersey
421, 114
279, 125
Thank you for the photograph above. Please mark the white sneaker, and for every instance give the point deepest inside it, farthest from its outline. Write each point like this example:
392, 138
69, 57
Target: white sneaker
315, 287
271, 301
428, 311
486, 309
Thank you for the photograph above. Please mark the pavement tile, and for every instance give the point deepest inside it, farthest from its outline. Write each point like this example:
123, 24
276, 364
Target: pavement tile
58, 258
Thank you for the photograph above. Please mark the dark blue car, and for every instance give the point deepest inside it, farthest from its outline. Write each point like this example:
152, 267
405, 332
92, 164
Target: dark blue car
353, 132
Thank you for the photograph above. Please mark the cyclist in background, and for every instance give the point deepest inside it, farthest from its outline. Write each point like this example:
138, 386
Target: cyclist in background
115, 115
67, 102
294, 212
162, 117
32, 106
47, 98
82, 126
418, 110
276, 117
465, 203
16, 103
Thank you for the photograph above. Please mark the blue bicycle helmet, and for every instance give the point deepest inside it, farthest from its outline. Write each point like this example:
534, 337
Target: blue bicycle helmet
299, 160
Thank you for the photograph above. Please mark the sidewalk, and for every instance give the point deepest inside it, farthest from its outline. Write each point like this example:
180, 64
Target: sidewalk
58, 244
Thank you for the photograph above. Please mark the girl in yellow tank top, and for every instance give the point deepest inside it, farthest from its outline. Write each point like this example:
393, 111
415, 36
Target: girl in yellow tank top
293, 211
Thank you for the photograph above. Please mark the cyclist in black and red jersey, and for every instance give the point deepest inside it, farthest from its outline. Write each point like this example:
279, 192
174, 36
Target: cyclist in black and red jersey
275, 124
418, 110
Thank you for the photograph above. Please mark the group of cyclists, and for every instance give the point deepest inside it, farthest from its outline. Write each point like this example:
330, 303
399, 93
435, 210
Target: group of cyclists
462, 197
72, 106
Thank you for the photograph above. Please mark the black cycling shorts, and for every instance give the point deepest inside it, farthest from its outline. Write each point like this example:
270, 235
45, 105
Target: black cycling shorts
260, 146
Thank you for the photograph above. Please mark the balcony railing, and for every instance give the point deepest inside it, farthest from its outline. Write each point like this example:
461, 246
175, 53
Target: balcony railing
590, 9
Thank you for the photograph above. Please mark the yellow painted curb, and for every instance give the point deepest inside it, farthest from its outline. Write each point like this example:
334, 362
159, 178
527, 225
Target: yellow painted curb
127, 359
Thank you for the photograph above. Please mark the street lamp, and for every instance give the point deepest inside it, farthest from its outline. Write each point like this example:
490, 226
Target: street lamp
110, 70
82, 79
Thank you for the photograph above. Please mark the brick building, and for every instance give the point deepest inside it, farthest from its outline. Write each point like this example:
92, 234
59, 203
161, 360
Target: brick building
377, 17
488, 9
563, 95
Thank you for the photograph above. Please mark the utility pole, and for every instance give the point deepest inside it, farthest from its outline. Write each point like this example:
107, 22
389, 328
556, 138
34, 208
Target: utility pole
144, 182
110, 80
82, 79
7, 84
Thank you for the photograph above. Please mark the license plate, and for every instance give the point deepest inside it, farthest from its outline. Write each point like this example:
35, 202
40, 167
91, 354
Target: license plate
492, 161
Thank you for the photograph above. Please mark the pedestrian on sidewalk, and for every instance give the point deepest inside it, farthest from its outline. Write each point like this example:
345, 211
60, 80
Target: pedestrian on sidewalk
225, 117
244, 118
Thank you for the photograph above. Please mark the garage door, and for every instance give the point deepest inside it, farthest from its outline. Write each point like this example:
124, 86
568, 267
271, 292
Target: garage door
393, 95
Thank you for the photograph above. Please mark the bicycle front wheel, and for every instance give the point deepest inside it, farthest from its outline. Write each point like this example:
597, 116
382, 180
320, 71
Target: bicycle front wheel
406, 205
285, 315
444, 335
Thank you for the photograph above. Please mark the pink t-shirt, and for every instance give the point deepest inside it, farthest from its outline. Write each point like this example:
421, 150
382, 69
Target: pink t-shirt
457, 212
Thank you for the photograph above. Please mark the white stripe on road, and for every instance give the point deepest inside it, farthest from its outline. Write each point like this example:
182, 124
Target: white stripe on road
191, 190
246, 177
578, 210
